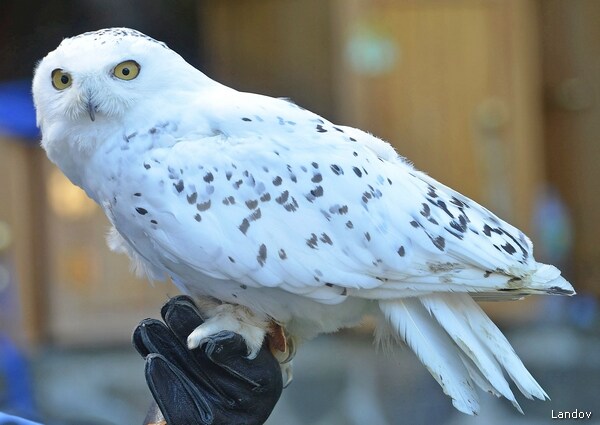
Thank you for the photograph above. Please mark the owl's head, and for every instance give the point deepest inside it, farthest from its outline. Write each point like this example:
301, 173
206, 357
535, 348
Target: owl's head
102, 75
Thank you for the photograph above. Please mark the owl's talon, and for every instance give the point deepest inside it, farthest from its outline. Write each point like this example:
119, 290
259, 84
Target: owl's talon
237, 319
287, 373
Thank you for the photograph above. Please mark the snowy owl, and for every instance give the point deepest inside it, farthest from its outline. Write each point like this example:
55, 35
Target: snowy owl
283, 224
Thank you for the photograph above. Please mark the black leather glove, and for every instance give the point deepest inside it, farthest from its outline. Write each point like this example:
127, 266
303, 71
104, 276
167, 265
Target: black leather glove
213, 384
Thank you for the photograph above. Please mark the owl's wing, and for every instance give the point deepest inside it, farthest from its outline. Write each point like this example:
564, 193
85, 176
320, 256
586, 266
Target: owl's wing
289, 200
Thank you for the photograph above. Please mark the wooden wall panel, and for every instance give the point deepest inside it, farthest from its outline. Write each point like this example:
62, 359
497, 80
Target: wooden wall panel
273, 47
19, 208
571, 55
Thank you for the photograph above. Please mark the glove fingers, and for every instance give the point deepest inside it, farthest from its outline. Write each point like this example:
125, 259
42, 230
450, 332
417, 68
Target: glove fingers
142, 341
228, 350
152, 336
180, 401
182, 316
248, 378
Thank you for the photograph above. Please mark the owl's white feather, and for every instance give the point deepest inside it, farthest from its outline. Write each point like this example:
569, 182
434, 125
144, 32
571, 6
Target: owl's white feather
256, 201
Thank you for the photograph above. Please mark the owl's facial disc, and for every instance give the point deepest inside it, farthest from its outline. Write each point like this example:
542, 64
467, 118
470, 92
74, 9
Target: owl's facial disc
90, 94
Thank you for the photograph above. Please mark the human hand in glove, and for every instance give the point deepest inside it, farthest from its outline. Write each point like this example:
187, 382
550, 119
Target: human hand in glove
213, 384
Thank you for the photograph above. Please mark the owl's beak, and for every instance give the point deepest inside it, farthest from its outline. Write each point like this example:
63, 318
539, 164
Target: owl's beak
91, 110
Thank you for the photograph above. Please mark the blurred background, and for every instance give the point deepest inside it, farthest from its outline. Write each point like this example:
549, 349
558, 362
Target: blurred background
498, 99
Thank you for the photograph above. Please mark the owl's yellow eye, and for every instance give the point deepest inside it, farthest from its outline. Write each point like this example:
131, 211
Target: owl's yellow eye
127, 70
61, 79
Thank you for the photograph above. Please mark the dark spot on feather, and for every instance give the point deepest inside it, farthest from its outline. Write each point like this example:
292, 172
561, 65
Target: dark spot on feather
439, 242
230, 200
141, 211
431, 191
277, 181
292, 206
458, 202
559, 291
243, 286
337, 170
352, 139
198, 217
192, 198
228, 175
256, 214
453, 233
509, 248
336, 209
265, 197
442, 205
153, 221
147, 166
137, 194
282, 254
237, 184
401, 251
487, 230
246, 119
317, 191
253, 203
368, 236
326, 239
357, 171
179, 186
317, 178
349, 224
487, 273
209, 177
320, 129
262, 255
244, 226
312, 242
414, 224
203, 206
282, 199
231, 259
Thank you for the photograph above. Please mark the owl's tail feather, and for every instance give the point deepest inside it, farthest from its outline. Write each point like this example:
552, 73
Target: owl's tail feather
460, 346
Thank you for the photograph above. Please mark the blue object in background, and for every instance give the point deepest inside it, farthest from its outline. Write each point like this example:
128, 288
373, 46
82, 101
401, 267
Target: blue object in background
14, 371
17, 114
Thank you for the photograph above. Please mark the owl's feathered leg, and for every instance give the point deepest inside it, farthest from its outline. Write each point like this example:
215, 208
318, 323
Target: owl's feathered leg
252, 327
228, 317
